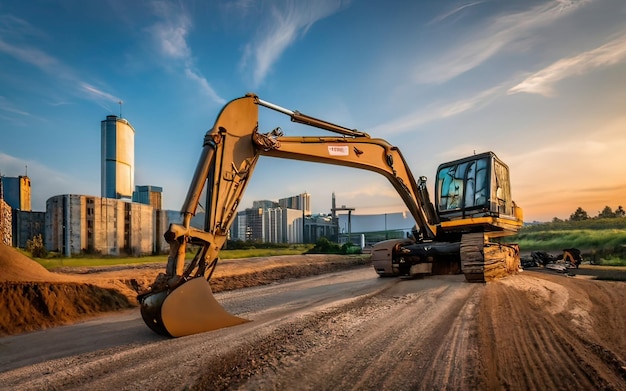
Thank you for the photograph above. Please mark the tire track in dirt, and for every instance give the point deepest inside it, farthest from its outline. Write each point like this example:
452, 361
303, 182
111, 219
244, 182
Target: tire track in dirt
394, 340
525, 346
352, 330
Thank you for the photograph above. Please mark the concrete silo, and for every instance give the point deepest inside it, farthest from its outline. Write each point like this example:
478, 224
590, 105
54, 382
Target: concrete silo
118, 158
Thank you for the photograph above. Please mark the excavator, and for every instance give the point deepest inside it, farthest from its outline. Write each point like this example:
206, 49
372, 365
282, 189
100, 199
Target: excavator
459, 233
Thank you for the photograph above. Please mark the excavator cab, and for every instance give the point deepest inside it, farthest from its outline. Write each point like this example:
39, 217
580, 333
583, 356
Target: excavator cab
474, 186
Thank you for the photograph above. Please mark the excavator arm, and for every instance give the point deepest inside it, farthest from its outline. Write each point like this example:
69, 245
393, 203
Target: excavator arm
230, 152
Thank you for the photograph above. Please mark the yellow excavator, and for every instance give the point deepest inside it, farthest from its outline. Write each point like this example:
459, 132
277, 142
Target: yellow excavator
473, 205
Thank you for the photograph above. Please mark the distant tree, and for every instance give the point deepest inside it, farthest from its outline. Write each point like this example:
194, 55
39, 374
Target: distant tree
606, 213
36, 247
556, 220
578, 215
619, 212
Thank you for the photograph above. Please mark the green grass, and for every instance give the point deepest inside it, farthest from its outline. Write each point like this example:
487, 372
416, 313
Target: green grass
602, 241
612, 261
81, 261
94, 260
264, 252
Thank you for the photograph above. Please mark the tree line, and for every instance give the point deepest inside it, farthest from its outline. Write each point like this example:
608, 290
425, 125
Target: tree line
606, 213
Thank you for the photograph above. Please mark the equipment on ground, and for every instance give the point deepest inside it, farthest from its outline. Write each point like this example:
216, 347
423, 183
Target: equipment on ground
473, 205
570, 259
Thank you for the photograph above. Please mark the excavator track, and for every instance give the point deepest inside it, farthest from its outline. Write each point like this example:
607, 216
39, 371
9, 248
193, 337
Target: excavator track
483, 261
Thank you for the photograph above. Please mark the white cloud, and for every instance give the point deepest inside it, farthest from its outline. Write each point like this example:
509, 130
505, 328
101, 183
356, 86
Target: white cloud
171, 31
542, 82
49, 65
455, 11
283, 25
439, 111
98, 95
205, 86
498, 34
170, 34
6, 106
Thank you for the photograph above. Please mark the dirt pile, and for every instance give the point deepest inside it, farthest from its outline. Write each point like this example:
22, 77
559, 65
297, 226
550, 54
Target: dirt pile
16, 267
29, 306
32, 298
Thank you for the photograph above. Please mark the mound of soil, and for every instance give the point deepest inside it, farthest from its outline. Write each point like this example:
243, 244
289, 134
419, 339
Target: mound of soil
29, 306
32, 298
14, 266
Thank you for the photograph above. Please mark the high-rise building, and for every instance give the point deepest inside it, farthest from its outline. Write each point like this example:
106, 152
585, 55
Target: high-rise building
301, 201
118, 158
16, 192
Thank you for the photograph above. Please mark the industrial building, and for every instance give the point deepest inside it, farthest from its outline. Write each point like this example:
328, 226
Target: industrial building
318, 226
27, 225
118, 158
16, 192
18, 223
111, 224
76, 224
374, 228
149, 195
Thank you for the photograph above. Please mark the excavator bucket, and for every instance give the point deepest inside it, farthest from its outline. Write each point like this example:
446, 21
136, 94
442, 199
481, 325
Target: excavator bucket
188, 309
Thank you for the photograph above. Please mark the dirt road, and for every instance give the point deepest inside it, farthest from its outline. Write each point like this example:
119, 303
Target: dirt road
352, 330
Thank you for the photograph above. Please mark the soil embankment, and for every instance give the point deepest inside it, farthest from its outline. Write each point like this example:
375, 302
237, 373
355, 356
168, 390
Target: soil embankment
33, 298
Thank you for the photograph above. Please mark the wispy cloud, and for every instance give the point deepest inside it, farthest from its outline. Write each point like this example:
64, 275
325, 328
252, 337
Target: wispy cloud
204, 86
285, 23
104, 99
454, 11
6, 106
45, 62
440, 111
33, 56
97, 94
542, 82
171, 33
484, 43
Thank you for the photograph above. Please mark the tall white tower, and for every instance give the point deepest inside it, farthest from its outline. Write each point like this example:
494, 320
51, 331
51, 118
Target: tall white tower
118, 158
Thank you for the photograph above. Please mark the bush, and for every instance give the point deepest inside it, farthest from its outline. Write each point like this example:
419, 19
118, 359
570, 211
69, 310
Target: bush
238, 244
325, 246
36, 247
350, 248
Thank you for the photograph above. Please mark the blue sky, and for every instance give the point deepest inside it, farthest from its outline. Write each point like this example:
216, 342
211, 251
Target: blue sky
541, 83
